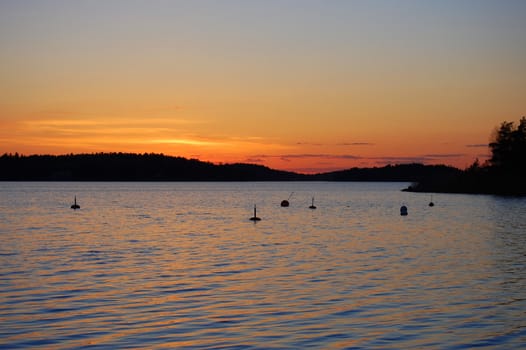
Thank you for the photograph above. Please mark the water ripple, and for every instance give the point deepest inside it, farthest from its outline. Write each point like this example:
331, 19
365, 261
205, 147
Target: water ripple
162, 268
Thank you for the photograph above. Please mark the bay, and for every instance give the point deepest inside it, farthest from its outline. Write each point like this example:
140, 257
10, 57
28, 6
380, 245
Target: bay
180, 265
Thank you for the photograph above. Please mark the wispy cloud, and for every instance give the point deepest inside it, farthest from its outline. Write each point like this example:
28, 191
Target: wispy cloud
478, 145
384, 160
346, 144
424, 158
109, 123
326, 158
355, 144
253, 160
111, 111
192, 142
324, 162
443, 155
307, 155
309, 144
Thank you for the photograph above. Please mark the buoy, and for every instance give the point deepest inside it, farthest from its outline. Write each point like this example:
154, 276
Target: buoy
75, 206
285, 202
255, 218
312, 205
431, 204
403, 210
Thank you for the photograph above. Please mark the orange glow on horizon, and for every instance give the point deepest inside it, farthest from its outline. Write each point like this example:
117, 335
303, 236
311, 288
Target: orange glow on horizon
78, 136
326, 88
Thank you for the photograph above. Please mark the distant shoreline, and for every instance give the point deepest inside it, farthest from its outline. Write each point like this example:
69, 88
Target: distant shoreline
488, 183
159, 167
131, 167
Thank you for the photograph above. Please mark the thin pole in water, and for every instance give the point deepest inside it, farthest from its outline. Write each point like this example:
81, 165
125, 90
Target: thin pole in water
255, 218
312, 205
75, 206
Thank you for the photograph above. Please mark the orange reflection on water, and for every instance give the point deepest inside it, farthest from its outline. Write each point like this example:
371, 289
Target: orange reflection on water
180, 264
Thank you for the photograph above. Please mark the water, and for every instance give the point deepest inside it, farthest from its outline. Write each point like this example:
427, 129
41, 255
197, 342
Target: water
180, 265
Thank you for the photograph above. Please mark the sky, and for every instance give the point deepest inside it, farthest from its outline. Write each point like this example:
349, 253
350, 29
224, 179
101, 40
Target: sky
301, 85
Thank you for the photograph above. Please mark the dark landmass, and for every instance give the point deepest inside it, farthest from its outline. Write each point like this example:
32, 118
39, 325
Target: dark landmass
131, 167
483, 180
503, 174
159, 167
402, 172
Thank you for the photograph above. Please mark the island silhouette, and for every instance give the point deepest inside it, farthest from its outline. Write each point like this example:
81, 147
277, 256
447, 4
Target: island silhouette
159, 167
503, 173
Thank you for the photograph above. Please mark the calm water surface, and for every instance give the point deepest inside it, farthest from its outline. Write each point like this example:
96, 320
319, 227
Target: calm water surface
180, 265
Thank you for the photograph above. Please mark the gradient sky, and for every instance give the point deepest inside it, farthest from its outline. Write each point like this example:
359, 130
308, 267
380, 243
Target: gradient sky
299, 85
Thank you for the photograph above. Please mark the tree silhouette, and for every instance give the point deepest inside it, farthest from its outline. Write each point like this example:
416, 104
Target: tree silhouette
508, 148
502, 174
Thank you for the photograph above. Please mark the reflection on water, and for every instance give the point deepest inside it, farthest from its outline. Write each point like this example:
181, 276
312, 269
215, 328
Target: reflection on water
180, 265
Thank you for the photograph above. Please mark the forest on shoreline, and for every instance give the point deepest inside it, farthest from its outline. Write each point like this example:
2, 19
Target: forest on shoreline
502, 174
159, 167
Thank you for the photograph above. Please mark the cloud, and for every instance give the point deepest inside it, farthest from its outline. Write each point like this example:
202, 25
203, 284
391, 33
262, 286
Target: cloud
321, 155
308, 155
325, 162
444, 155
336, 144
310, 144
130, 109
423, 159
181, 141
355, 144
253, 160
397, 160
110, 123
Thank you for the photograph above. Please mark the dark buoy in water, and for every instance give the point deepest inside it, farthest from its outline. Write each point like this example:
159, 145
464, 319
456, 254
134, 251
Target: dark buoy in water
255, 218
285, 202
75, 206
312, 205
403, 210
431, 204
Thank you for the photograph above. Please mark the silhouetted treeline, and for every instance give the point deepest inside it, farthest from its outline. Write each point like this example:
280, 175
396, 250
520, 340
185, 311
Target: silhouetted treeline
130, 167
158, 167
503, 174
401, 172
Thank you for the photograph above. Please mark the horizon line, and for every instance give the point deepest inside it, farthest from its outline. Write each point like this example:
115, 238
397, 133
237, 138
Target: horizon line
311, 171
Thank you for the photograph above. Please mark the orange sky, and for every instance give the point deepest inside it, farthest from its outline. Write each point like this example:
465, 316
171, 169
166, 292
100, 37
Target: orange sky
307, 86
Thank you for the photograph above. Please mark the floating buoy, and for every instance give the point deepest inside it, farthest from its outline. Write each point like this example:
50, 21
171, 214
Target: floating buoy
285, 202
255, 218
403, 210
431, 204
312, 205
75, 206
